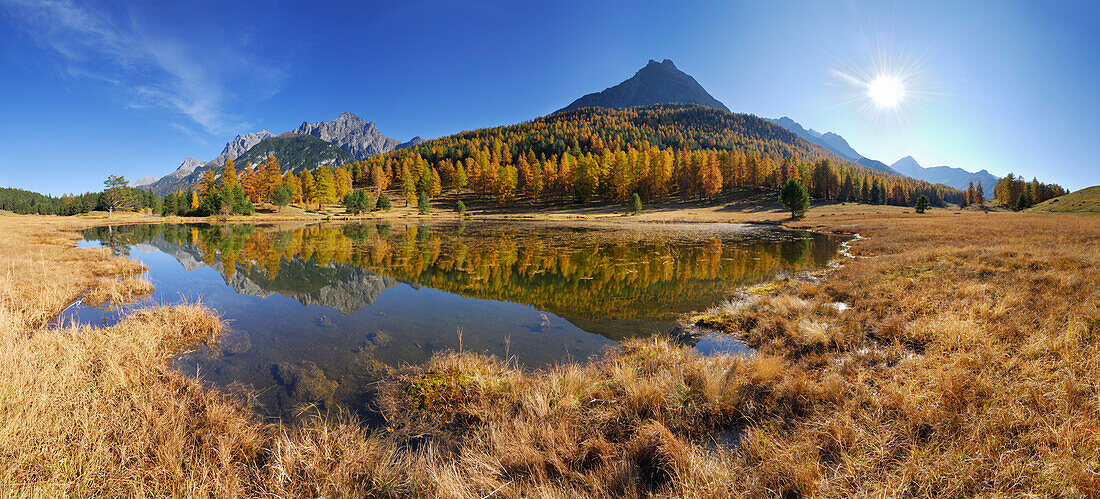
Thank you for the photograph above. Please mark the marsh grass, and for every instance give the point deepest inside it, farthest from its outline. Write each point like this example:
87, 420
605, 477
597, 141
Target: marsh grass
965, 364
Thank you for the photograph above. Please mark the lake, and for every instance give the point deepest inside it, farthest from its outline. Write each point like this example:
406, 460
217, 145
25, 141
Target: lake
316, 314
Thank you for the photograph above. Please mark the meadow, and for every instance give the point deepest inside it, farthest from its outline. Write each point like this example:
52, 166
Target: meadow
963, 362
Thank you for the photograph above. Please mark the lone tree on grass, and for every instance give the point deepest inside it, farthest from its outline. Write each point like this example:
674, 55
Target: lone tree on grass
423, 204
636, 203
794, 198
922, 204
384, 202
460, 207
1023, 202
358, 201
116, 194
281, 196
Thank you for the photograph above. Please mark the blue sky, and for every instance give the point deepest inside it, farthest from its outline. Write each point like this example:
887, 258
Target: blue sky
89, 88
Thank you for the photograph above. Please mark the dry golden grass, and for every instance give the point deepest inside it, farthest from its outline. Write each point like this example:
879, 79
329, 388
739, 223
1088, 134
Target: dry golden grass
967, 364
1086, 200
42, 273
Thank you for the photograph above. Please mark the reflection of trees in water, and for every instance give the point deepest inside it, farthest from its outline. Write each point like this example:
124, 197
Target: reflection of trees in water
578, 273
121, 238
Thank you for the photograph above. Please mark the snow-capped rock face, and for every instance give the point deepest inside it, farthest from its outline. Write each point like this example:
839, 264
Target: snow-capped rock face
238, 146
188, 166
352, 134
146, 180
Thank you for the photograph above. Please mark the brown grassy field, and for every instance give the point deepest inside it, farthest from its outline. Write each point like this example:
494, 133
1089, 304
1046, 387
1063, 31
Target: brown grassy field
966, 364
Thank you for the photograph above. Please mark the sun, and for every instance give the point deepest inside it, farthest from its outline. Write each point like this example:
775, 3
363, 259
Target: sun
886, 91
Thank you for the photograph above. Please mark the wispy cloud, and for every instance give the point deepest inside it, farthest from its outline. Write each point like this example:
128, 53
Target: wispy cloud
151, 69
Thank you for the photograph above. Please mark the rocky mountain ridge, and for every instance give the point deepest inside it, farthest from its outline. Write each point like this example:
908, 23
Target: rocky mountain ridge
355, 135
240, 145
348, 132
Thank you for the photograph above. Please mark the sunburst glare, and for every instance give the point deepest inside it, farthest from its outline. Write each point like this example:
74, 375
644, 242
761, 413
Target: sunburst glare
887, 84
886, 91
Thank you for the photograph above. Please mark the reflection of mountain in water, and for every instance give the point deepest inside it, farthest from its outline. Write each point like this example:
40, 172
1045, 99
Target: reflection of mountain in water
343, 287
610, 282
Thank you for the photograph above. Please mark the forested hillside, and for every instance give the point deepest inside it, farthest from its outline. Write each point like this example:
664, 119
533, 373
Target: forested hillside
296, 152
660, 152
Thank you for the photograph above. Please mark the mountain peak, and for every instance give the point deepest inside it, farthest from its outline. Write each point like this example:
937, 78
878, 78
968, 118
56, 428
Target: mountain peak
189, 165
667, 63
349, 117
239, 145
906, 163
146, 180
351, 133
656, 83
259, 133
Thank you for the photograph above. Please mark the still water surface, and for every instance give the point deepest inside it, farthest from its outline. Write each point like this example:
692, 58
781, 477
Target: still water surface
316, 314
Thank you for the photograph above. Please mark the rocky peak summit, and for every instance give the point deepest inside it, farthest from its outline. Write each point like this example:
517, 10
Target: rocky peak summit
351, 133
239, 145
656, 83
188, 166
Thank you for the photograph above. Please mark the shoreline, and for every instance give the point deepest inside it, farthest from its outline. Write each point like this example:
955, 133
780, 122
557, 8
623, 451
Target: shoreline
599, 215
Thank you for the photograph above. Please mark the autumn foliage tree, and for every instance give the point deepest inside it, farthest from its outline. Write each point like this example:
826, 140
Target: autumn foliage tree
1008, 191
206, 182
306, 181
272, 177
341, 182
229, 174
324, 189
292, 182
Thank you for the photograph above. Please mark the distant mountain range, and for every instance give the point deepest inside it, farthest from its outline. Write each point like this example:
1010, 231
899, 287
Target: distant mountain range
955, 177
656, 83
337, 142
907, 166
349, 138
834, 143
